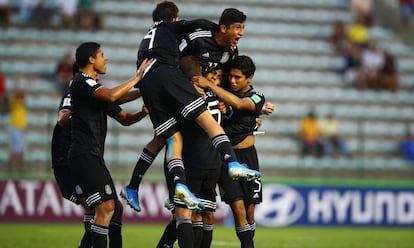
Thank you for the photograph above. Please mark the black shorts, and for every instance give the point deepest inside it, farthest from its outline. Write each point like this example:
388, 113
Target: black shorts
68, 186
202, 183
94, 178
169, 97
233, 190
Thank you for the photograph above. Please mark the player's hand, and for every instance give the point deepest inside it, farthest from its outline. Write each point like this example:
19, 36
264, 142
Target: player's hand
258, 123
201, 82
222, 107
268, 108
144, 65
144, 109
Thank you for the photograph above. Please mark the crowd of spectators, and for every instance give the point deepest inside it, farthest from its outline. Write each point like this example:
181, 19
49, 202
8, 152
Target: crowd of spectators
320, 137
68, 14
366, 65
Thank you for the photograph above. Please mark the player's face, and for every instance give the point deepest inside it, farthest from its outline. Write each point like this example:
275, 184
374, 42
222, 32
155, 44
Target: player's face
238, 81
215, 76
233, 33
100, 62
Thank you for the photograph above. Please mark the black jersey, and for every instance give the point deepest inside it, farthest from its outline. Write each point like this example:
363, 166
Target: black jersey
238, 124
198, 150
61, 137
161, 40
89, 117
202, 45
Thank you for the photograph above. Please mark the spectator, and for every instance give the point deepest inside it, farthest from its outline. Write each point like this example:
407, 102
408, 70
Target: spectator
406, 13
338, 36
5, 12
362, 9
63, 73
18, 122
35, 11
406, 147
309, 135
68, 11
88, 18
332, 142
388, 75
357, 33
4, 101
372, 60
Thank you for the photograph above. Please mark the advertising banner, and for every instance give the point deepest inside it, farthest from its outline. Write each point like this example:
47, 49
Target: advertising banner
33, 200
285, 205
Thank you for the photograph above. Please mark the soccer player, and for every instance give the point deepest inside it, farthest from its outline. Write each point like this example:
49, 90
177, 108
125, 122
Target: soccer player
203, 167
68, 185
170, 97
90, 105
222, 42
246, 105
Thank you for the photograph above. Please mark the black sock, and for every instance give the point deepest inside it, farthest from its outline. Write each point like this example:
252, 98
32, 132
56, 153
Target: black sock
253, 228
245, 235
99, 236
207, 235
114, 235
169, 236
86, 241
176, 169
198, 233
185, 233
144, 162
222, 143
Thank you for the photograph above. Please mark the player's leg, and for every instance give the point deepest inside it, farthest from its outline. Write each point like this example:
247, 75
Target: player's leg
197, 226
208, 227
243, 229
148, 154
222, 143
115, 226
169, 236
175, 166
185, 235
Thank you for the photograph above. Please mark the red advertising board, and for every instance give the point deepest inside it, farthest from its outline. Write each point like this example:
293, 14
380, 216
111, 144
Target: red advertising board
33, 200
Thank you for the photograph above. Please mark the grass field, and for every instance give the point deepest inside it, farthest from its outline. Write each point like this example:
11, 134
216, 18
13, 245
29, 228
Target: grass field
34, 235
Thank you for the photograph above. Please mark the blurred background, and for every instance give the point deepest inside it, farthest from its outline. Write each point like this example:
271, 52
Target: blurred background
340, 72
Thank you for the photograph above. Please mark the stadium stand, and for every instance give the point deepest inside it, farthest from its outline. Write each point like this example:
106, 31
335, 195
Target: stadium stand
297, 70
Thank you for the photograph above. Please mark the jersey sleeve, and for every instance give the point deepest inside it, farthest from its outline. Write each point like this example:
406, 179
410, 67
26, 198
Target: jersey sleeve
259, 100
184, 27
113, 110
65, 102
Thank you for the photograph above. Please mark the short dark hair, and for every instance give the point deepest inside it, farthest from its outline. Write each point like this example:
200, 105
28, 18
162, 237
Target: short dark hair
84, 51
245, 64
75, 68
165, 11
190, 66
230, 16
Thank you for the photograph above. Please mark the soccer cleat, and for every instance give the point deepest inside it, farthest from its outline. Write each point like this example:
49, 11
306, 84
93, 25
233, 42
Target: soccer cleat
168, 205
190, 200
131, 197
237, 170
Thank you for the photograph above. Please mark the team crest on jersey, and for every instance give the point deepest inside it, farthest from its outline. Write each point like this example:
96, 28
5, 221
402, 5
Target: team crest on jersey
78, 189
256, 98
225, 57
108, 190
66, 102
91, 82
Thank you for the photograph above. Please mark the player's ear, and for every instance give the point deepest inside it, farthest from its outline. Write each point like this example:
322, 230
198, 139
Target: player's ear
223, 28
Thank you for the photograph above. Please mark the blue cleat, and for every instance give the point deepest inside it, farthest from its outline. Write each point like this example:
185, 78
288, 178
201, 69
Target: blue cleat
237, 170
190, 200
131, 197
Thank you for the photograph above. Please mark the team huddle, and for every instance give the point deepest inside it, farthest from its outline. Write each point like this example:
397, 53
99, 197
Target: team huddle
197, 91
